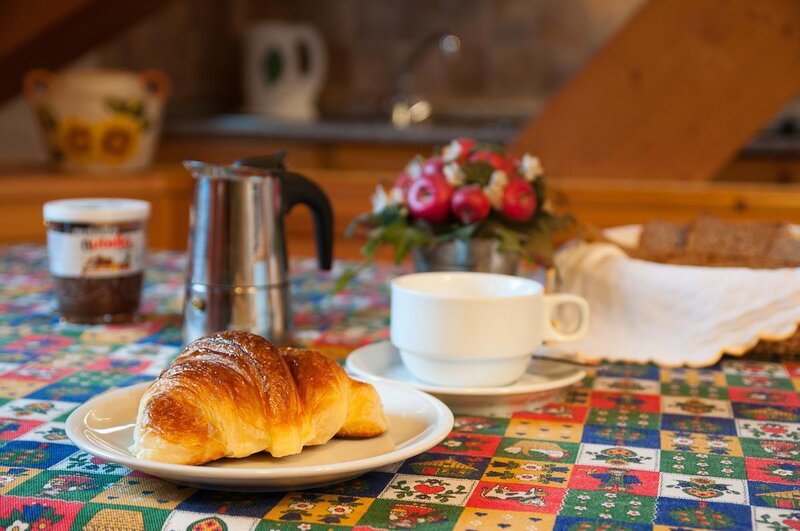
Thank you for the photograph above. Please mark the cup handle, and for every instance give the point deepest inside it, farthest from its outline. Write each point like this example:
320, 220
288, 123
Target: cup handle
156, 82
36, 83
551, 302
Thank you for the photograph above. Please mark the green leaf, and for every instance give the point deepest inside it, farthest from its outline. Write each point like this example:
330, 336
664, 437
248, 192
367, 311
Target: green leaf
478, 172
490, 146
349, 274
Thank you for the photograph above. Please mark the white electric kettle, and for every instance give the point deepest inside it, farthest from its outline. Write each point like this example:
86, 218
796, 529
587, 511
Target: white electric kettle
284, 68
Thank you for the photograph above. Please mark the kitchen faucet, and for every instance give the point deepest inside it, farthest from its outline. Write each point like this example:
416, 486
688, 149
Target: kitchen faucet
408, 108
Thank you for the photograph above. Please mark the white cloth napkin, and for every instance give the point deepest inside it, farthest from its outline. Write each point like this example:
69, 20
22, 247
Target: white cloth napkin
675, 315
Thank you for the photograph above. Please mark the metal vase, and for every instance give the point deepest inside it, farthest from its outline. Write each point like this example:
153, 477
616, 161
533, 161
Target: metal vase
482, 255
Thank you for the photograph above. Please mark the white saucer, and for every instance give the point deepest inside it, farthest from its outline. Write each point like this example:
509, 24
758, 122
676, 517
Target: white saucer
380, 362
103, 427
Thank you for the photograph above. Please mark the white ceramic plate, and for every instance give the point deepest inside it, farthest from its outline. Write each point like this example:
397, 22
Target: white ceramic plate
103, 427
380, 363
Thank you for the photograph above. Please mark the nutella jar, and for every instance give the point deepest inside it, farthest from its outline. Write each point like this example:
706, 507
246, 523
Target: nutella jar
96, 250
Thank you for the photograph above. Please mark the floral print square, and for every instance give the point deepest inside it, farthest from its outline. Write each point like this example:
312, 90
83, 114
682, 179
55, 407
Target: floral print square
549, 451
33, 409
50, 432
11, 476
23, 514
626, 401
701, 407
392, 514
627, 385
527, 472
624, 419
480, 425
517, 497
319, 508
13, 428
451, 466
428, 489
703, 488
468, 444
554, 412
773, 471
618, 456
703, 443
545, 430
477, 518
83, 462
147, 491
96, 517
612, 479
703, 464
609, 506
62, 485
777, 431
10, 388
764, 396
185, 520
772, 519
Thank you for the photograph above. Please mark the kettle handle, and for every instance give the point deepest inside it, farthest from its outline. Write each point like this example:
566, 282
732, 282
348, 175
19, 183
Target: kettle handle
296, 189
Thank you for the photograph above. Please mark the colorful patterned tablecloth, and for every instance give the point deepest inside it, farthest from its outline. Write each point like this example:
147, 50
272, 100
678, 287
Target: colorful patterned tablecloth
631, 447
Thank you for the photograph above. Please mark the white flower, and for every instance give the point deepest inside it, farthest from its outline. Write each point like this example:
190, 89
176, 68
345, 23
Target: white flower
414, 168
452, 444
608, 504
702, 473
783, 472
702, 464
380, 199
531, 466
610, 495
513, 450
728, 470
679, 458
635, 503
454, 174
340, 509
681, 441
717, 444
605, 515
583, 497
702, 456
579, 508
530, 167
527, 477
678, 467
726, 462
301, 506
304, 527
451, 151
494, 190
634, 513
18, 526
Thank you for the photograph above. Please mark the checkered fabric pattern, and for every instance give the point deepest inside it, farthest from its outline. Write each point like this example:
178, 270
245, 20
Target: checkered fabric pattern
631, 447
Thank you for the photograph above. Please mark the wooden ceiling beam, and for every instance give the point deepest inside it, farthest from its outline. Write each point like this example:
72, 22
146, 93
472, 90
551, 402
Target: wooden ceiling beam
675, 94
48, 34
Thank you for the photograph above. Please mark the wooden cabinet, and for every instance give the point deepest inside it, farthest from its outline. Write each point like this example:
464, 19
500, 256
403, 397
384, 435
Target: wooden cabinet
597, 202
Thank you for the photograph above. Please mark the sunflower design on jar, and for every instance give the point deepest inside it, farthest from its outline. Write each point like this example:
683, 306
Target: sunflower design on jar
75, 138
117, 138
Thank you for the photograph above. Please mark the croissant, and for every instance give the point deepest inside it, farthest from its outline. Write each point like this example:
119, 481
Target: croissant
234, 394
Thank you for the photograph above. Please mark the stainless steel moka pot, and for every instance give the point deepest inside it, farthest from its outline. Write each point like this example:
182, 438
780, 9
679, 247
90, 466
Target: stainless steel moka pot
237, 275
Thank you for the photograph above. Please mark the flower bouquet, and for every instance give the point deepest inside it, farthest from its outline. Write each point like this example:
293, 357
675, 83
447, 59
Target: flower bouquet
469, 193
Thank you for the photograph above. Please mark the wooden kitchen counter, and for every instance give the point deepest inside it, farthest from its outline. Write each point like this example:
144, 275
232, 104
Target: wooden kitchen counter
168, 187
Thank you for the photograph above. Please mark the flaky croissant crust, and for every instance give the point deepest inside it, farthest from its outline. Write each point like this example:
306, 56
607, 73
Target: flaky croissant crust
233, 394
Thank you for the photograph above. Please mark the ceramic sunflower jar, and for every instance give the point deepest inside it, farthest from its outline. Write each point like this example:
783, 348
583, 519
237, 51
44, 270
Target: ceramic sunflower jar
99, 120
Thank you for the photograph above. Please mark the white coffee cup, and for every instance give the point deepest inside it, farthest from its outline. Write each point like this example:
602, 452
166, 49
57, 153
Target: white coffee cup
475, 329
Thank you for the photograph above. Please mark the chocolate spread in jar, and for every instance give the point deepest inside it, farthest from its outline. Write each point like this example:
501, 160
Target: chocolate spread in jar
96, 251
